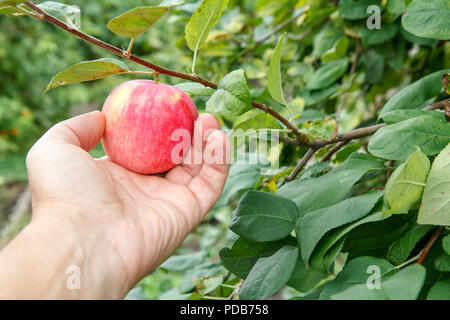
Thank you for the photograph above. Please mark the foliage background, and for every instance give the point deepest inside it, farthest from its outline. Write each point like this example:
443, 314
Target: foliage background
32, 52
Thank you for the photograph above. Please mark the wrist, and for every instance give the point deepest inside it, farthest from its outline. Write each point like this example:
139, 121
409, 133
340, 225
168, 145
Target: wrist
63, 259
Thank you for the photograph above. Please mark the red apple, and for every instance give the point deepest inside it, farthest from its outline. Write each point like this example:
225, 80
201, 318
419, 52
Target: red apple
141, 118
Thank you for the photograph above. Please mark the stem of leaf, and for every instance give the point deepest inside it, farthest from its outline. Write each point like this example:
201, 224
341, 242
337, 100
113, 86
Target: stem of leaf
130, 46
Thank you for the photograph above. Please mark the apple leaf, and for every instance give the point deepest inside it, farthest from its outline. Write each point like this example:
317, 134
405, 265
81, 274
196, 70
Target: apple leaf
320, 129
10, 2
255, 119
327, 74
10, 11
274, 75
202, 21
398, 141
195, 89
67, 13
136, 21
435, 206
405, 186
261, 217
87, 71
269, 274
428, 19
416, 94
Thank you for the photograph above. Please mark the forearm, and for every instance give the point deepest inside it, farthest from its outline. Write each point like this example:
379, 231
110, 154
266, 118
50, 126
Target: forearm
48, 260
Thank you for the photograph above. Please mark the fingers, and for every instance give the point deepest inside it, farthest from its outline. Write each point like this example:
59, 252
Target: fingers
192, 162
208, 184
84, 131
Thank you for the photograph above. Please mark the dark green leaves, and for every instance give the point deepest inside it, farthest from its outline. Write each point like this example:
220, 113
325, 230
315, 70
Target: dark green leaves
136, 21
87, 71
313, 225
355, 10
435, 207
232, 97
274, 75
428, 19
331, 188
404, 285
354, 272
400, 250
241, 258
440, 291
269, 274
262, 216
327, 74
416, 94
405, 186
398, 141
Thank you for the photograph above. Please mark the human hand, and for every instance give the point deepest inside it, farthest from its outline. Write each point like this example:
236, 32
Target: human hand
122, 225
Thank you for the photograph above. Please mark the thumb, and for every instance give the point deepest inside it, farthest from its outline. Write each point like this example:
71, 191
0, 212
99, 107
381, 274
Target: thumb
84, 131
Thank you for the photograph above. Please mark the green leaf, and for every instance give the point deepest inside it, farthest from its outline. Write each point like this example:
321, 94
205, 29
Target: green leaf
435, 206
354, 272
255, 119
87, 71
66, 13
355, 10
208, 269
274, 74
325, 40
202, 21
327, 74
374, 64
195, 89
405, 186
303, 278
442, 263
440, 291
416, 94
243, 255
269, 274
372, 37
331, 188
446, 244
206, 285
314, 225
136, 21
184, 262
398, 141
10, 11
232, 97
400, 250
242, 176
428, 19
10, 2
261, 216
397, 116
446, 82
326, 129
331, 241
236, 84
338, 50
404, 285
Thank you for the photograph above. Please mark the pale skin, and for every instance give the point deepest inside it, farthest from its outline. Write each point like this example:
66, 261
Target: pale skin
114, 225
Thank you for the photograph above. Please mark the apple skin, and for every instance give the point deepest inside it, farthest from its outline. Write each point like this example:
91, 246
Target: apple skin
140, 119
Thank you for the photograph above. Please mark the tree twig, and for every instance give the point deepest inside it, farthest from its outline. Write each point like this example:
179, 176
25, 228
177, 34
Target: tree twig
429, 244
236, 291
301, 164
334, 149
438, 105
